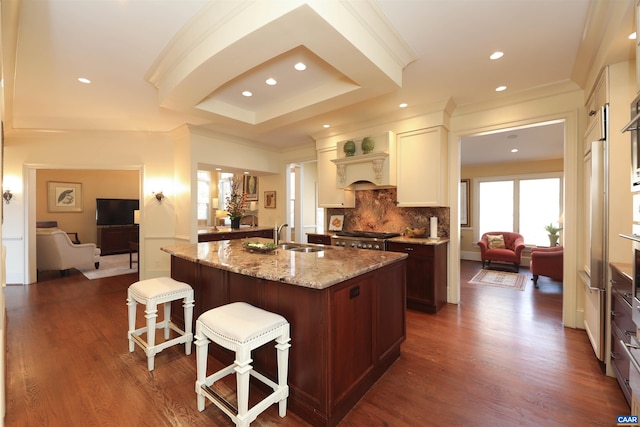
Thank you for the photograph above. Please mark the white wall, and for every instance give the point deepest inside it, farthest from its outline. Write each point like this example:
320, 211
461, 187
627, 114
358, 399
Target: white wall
27, 151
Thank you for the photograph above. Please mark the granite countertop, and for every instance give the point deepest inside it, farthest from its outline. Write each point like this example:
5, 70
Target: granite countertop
242, 229
419, 240
316, 270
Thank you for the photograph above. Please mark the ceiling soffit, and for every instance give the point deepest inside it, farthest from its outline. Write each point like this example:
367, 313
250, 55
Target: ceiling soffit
353, 51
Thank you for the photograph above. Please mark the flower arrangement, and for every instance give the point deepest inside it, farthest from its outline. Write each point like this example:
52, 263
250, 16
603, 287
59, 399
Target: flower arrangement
237, 200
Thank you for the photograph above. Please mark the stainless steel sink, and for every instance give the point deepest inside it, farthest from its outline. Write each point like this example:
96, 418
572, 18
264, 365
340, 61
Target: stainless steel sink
300, 248
289, 246
307, 249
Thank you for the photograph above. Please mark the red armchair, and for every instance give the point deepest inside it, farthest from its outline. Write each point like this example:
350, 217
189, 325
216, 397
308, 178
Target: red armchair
546, 262
511, 250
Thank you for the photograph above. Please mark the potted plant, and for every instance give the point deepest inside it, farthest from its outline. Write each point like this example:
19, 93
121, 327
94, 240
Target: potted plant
553, 234
236, 202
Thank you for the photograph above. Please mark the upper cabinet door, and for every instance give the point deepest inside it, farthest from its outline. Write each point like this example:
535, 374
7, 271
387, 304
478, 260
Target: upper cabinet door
329, 196
423, 167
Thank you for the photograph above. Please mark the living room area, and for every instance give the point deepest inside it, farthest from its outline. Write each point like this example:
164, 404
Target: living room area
70, 233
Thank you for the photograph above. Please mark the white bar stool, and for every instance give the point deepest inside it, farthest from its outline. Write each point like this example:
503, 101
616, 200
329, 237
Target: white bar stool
151, 292
241, 327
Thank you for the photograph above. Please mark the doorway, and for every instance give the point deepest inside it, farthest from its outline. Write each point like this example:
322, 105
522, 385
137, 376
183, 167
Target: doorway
122, 183
303, 214
530, 151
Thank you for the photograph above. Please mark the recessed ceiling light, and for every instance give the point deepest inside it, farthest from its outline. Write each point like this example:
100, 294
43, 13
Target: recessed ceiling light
246, 93
300, 66
84, 80
246, 173
496, 55
218, 169
501, 88
514, 150
271, 82
632, 36
326, 126
403, 105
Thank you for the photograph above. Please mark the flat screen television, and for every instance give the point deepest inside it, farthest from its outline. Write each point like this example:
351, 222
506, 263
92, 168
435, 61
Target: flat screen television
115, 211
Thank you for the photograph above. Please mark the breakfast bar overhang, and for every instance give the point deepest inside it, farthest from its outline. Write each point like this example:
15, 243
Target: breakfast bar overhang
346, 308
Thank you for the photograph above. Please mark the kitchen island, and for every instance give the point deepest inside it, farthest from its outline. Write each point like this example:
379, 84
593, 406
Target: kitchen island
346, 308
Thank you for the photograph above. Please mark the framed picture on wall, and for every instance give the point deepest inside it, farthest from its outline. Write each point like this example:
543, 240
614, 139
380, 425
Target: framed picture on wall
270, 199
251, 187
64, 196
464, 203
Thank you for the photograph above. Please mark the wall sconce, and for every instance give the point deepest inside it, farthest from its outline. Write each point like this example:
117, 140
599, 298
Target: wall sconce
159, 196
7, 195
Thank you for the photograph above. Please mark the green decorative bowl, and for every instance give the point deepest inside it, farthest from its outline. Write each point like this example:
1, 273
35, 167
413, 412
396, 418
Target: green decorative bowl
367, 145
349, 148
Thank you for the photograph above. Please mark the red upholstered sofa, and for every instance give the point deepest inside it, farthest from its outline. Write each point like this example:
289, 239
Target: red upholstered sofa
546, 262
510, 253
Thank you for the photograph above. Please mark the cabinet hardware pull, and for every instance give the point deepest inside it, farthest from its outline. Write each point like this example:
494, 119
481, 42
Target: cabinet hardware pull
613, 355
408, 249
628, 345
354, 292
592, 113
632, 359
613, 313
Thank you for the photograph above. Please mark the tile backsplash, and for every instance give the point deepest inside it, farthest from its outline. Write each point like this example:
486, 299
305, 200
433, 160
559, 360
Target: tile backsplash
376, 210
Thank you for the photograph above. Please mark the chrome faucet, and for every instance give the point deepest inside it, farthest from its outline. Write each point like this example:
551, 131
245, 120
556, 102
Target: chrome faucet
276, 233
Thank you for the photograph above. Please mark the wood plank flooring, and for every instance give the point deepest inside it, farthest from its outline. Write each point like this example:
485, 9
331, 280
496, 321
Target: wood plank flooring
500, 358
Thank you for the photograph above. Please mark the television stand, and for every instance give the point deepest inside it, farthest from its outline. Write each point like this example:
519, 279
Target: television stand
114, 239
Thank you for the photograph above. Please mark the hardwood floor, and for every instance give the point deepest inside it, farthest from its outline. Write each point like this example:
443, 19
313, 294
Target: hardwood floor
500, 358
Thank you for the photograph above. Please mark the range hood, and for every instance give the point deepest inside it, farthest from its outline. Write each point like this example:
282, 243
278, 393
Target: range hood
365, 171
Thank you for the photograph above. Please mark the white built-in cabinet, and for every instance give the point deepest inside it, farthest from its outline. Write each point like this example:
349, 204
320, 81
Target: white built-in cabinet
329, 195
422, 167
597, 99
638, 43
415, 162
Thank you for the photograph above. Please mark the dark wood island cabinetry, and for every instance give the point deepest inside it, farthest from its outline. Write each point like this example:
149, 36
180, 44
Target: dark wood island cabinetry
345, 333
224, 233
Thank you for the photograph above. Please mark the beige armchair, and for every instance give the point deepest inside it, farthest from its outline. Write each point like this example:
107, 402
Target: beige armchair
55, 251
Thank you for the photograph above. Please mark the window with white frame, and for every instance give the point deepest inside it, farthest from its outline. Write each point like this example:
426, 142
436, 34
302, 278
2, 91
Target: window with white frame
524, 204
224, 187
204, 180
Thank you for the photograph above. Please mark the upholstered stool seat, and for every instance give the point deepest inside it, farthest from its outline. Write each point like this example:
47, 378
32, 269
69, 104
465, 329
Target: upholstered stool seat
241, 327
151, 292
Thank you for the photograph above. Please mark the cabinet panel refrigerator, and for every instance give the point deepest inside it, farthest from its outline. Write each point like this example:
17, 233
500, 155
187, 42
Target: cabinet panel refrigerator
595, 286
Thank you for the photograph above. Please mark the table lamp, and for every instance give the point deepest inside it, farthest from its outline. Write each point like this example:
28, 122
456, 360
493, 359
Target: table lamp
220, 214
214, 207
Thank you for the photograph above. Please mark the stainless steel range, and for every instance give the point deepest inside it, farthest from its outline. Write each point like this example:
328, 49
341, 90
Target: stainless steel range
375, 240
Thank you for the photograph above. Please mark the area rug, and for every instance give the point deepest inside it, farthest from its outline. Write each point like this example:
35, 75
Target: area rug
503, 279
111, 265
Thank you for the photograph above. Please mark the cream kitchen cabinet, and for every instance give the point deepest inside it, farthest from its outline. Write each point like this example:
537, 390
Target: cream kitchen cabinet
638, 43
597, 99
329, 196
422, 167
